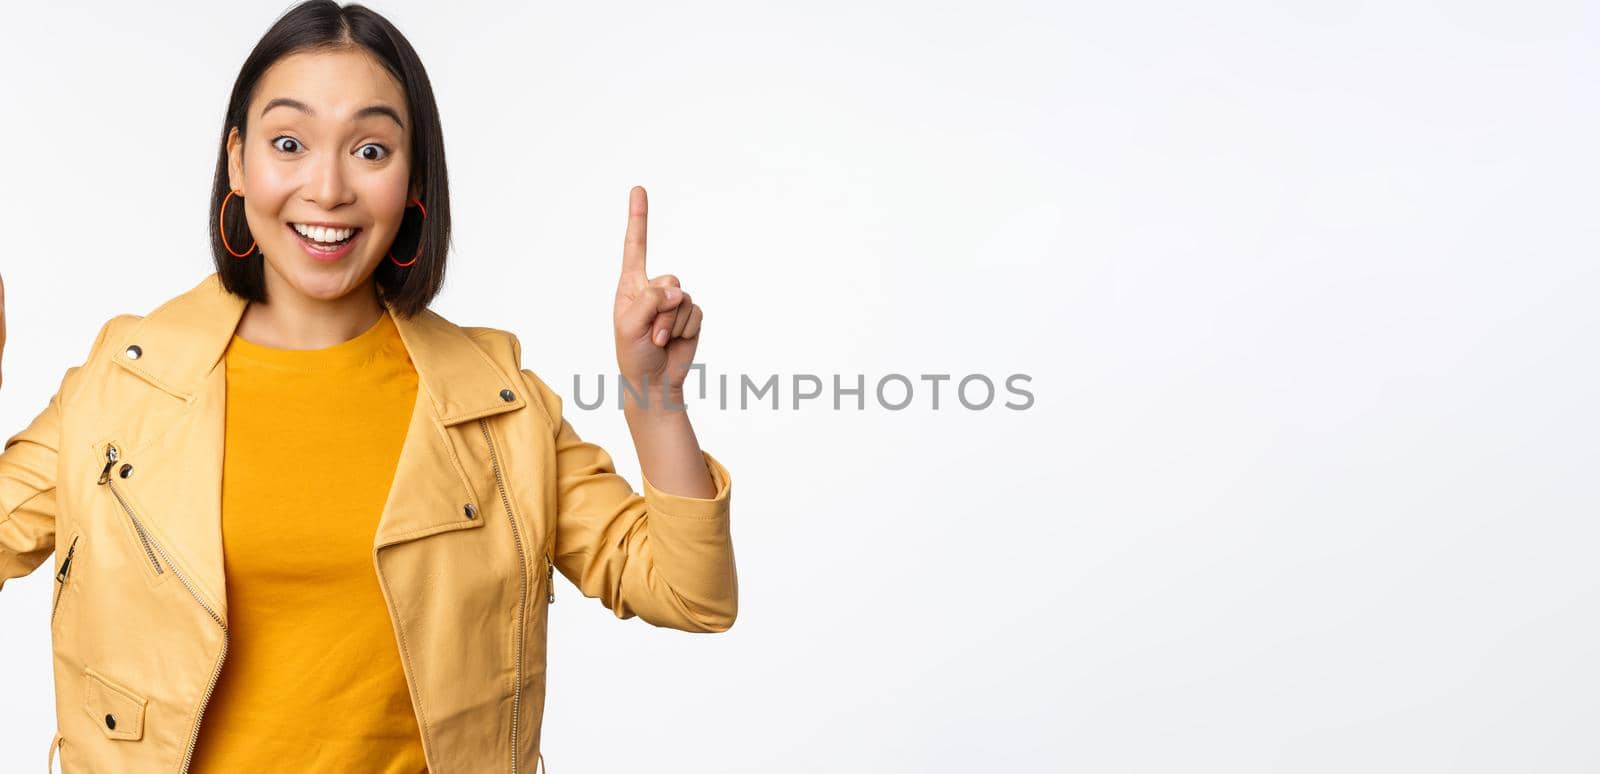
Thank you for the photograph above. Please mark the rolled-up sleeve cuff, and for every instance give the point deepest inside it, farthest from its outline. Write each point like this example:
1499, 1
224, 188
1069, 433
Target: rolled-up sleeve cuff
694, 507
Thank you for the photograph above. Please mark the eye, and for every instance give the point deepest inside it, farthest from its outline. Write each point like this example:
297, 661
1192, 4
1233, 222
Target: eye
295, 144
383, 152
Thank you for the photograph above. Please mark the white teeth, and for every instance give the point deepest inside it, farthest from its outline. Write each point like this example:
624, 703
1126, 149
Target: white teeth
325, 235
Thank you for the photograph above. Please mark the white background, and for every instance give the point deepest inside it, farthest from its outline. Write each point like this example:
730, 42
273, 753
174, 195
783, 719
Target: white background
1307, 292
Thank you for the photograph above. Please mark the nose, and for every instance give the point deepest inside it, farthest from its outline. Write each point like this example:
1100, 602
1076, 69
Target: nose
328, 187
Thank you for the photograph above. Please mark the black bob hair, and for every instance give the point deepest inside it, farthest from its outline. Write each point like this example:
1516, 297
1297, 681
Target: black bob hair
321, 25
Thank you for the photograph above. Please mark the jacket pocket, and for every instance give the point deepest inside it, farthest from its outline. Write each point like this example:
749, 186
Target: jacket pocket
118, 711
64, 575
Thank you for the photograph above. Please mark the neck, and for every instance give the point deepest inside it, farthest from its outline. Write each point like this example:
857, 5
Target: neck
292, 319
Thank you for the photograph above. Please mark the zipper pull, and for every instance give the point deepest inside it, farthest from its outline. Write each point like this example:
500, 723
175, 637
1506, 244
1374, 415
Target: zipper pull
66, 564
111, 459
550, 579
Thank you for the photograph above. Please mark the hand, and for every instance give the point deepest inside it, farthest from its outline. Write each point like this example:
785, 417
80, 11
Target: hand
657, 325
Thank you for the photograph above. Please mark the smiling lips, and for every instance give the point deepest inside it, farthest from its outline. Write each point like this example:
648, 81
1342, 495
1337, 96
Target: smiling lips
325, 243
324, 234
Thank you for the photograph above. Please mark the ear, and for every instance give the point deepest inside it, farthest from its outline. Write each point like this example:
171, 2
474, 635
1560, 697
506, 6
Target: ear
235, 159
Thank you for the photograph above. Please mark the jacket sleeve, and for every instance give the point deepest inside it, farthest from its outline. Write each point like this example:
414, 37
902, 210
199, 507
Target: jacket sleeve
663, 557
28, 484
28, 494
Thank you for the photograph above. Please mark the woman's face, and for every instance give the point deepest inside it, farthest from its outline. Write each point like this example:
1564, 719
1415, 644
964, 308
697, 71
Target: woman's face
328, 145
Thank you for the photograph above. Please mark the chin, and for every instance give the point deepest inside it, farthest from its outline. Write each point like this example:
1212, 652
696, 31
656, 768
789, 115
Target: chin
322, 281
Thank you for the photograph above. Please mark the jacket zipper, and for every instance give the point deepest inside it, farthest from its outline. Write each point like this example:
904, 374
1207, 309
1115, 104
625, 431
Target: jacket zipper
61, 576
522, 600
106, 479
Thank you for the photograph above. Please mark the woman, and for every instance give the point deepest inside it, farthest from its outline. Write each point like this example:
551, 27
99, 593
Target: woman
304, 523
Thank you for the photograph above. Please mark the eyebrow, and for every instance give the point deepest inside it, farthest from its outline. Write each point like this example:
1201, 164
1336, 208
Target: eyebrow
370, 110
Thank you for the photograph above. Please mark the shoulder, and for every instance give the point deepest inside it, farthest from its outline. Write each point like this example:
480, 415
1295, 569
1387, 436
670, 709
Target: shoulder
206, 300
500, 345
505, 349
111, 332
100, 353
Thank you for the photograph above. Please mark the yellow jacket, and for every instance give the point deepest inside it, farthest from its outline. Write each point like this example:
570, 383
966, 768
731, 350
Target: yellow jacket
120, 478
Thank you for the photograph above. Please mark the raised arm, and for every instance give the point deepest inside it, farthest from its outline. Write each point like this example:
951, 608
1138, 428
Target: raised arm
664, 557
28, 478
28, 494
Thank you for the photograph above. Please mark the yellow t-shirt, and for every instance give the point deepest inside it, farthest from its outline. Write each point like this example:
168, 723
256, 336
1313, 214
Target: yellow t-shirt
312, 680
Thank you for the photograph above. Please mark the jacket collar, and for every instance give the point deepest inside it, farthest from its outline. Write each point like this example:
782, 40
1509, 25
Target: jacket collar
181, 341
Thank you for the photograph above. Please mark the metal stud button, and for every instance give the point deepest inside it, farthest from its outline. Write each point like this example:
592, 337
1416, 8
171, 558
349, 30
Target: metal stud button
126, 470
472, 511
134, 352
507, 395
111, 722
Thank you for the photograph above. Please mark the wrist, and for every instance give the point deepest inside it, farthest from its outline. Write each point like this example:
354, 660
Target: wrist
654, 401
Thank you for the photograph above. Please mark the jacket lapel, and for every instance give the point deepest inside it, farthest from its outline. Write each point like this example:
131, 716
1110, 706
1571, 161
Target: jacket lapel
176, 440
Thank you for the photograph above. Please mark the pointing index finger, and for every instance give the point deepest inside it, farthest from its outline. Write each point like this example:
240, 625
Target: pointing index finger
633, 243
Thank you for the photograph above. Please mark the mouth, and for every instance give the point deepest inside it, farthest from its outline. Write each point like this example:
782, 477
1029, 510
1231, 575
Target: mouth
325, 244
